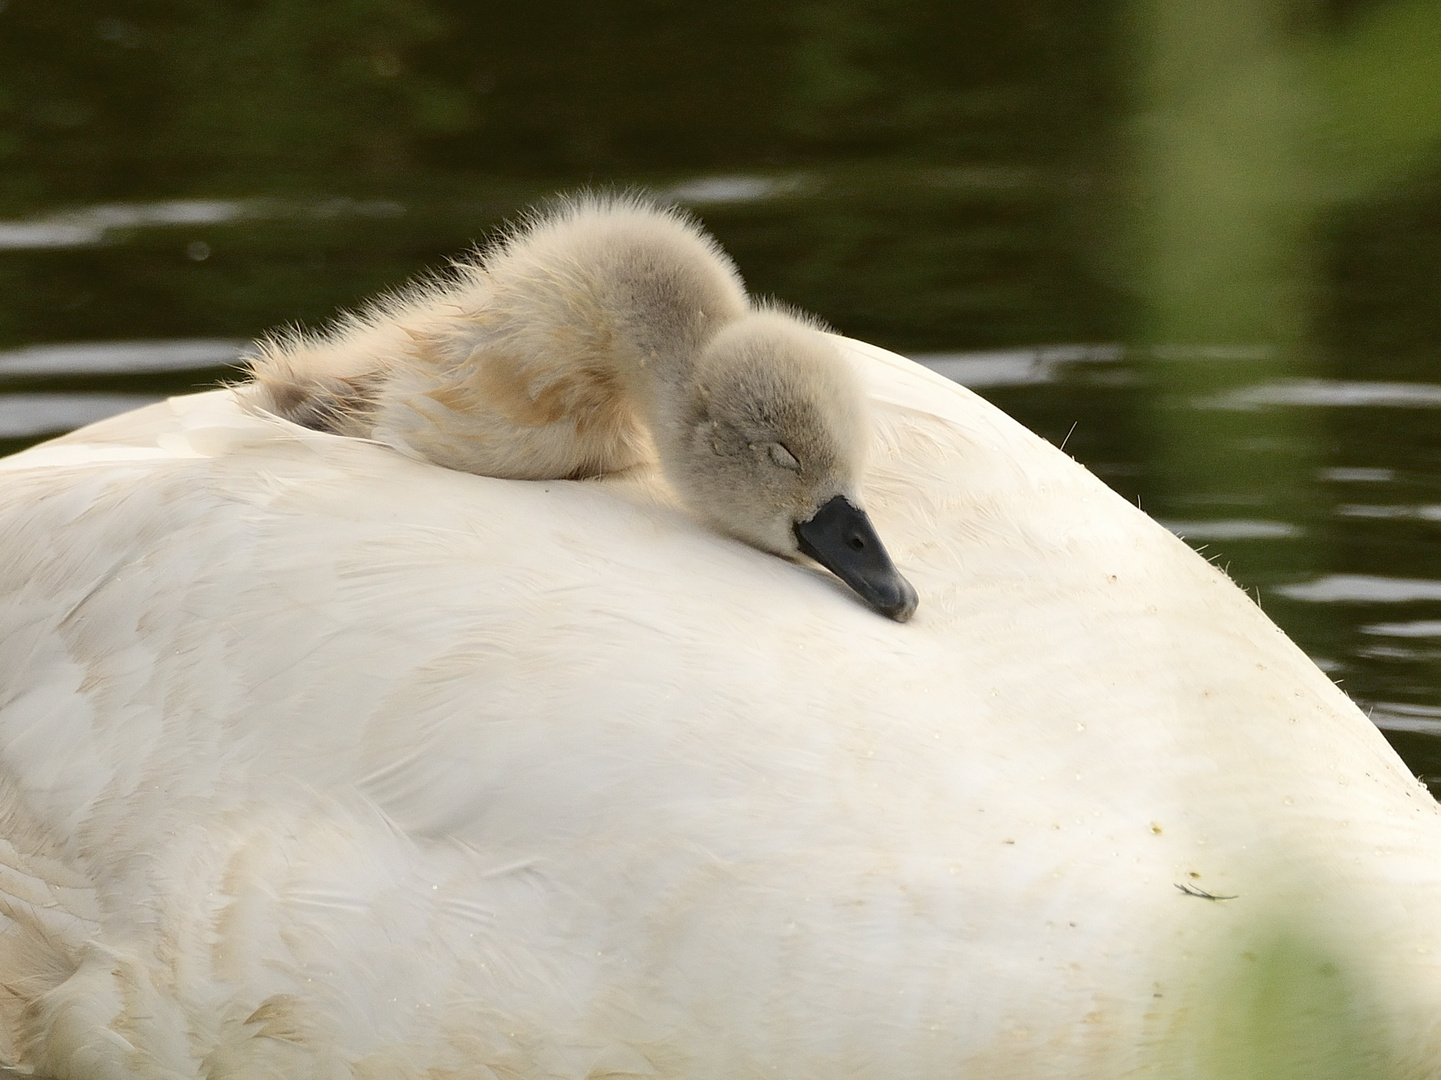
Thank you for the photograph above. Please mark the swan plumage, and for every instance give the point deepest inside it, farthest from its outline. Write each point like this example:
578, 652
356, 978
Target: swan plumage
588, 340
316, 760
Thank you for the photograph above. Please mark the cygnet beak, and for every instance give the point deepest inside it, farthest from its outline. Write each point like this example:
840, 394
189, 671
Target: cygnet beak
842, 539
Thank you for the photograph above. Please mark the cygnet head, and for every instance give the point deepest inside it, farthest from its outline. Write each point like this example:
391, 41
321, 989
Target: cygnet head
770, 448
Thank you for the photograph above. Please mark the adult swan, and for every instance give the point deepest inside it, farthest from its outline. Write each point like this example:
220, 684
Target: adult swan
319, 761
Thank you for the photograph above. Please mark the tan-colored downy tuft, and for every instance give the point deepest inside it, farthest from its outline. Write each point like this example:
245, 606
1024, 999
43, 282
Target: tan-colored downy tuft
580, 340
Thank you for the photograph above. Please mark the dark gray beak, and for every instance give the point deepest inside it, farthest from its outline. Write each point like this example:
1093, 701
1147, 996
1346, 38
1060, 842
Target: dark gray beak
842, 539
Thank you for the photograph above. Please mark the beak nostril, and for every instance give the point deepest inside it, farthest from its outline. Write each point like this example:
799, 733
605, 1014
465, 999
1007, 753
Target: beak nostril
857, 544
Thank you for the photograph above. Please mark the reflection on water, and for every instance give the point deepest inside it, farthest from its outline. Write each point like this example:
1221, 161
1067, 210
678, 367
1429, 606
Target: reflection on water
1328, 392
24, 416
1015, 367
1234, 529
1425, 628
119, 358
1362, 589
97, 224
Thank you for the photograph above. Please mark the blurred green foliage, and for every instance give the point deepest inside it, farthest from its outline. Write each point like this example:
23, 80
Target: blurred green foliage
1289, 1006
1255, 128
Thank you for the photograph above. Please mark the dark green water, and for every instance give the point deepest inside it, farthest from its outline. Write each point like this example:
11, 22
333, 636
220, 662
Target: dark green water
1200, 243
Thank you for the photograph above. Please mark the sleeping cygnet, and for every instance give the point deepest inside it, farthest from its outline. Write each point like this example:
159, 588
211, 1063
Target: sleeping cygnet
588, 334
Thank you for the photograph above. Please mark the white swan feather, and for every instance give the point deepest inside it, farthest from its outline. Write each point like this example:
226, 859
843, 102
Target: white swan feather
318, 760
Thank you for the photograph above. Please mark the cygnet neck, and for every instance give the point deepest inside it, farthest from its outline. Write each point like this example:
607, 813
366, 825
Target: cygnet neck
647, 291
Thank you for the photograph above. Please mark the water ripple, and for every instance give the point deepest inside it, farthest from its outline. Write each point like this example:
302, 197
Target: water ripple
1234, 529
1424, 628
24, 416
120, 357
1328, 393
93, 225
1362, 589
1016, 367
1391, 716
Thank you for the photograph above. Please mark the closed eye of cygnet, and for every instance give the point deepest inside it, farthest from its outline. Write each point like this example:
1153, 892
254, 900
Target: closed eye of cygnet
784, 458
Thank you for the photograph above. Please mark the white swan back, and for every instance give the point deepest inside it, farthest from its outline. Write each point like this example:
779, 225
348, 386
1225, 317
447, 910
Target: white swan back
356, 766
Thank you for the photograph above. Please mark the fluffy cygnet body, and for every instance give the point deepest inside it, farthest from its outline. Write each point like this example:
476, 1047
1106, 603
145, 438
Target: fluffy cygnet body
569, 347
